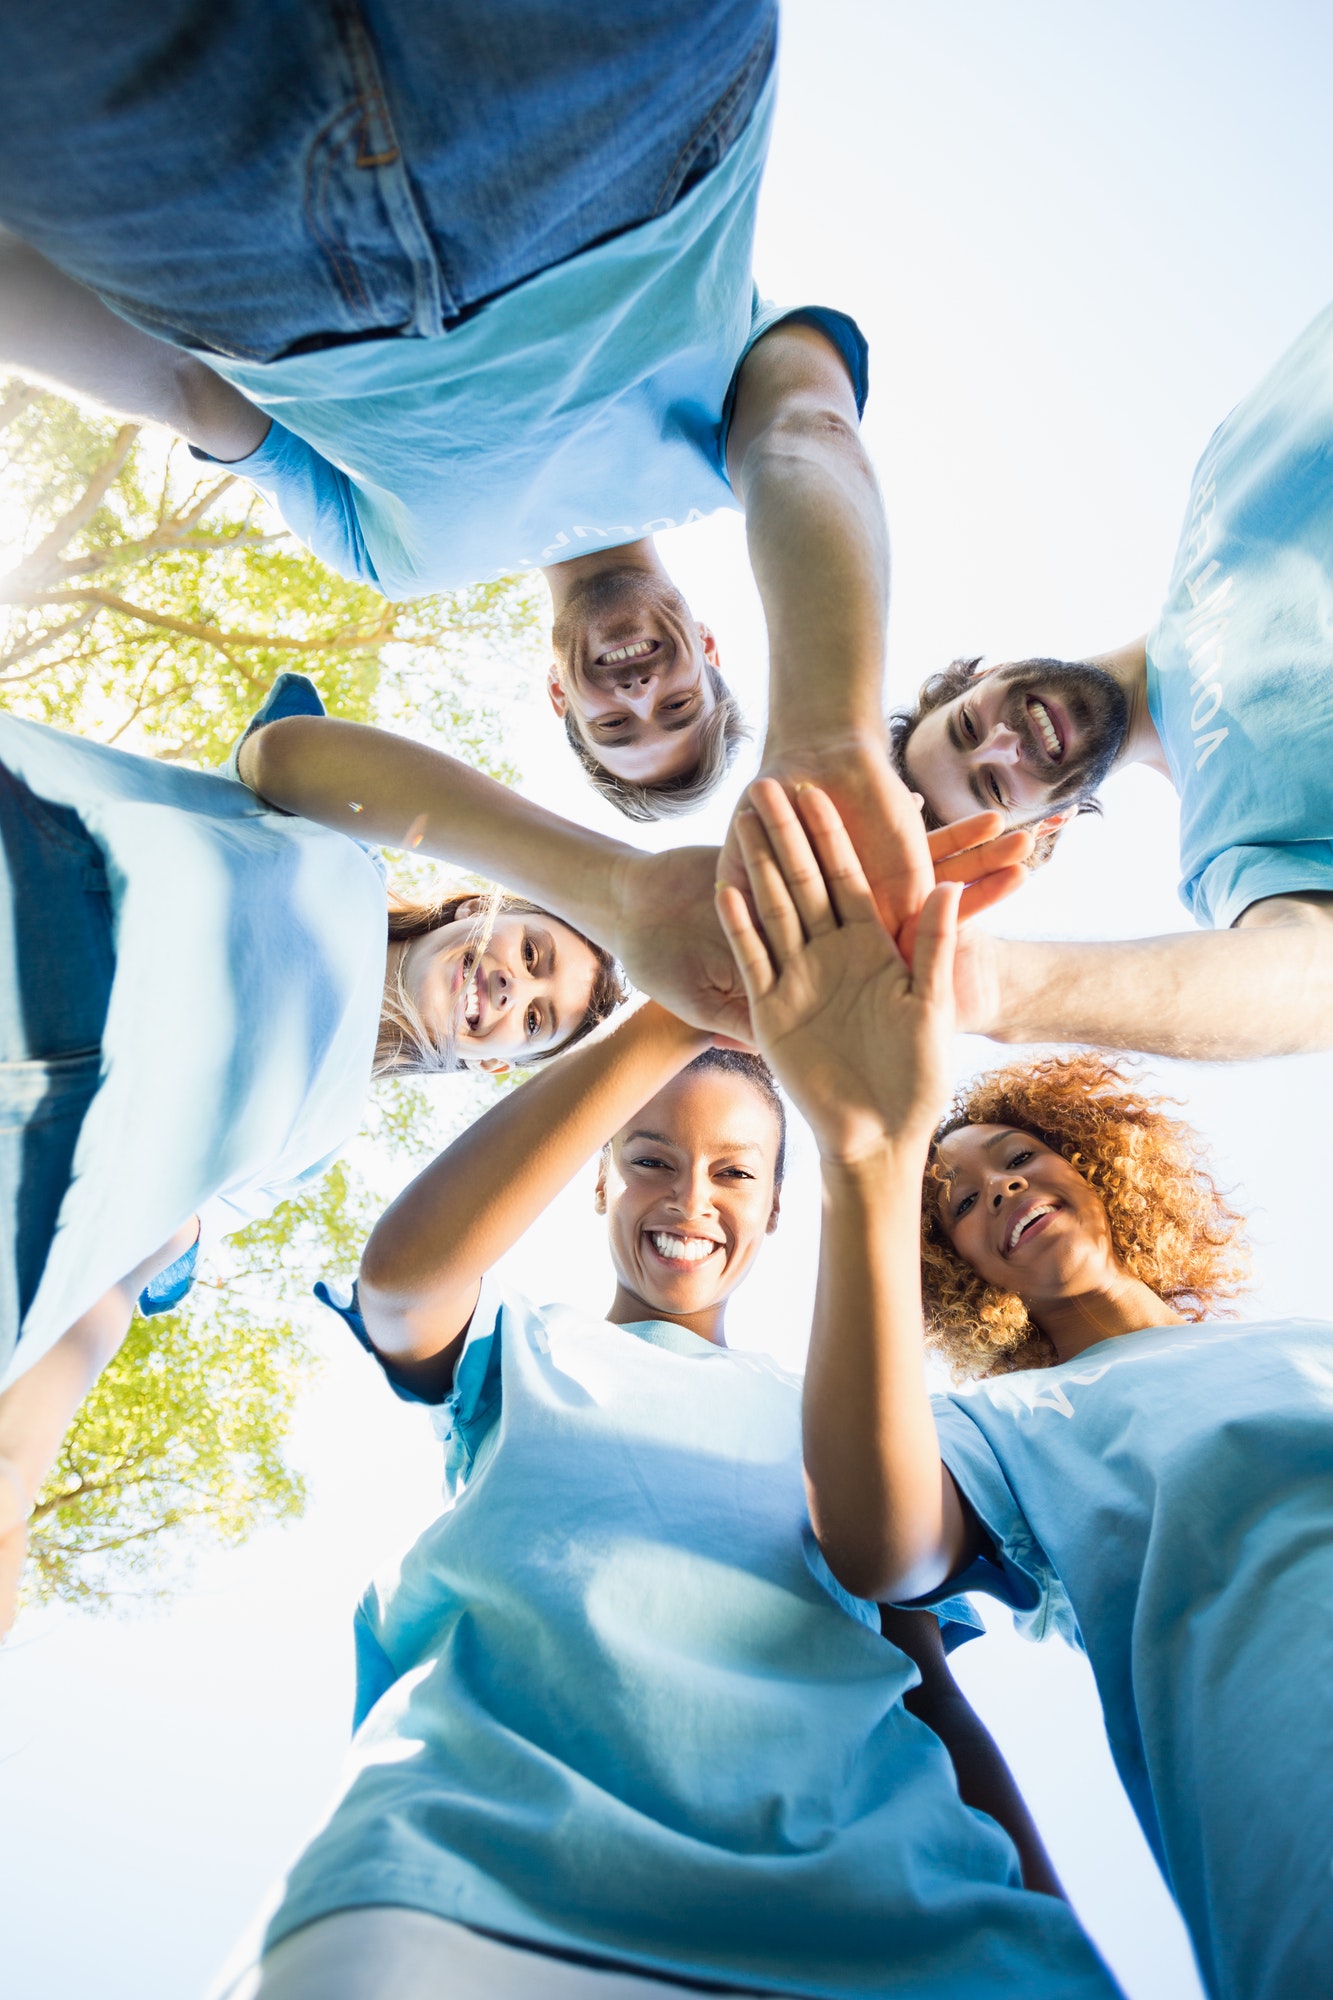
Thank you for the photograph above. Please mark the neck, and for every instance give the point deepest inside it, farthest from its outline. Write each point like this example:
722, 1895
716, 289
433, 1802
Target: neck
1142, 745
564, 578
708, 1324
1122, 1305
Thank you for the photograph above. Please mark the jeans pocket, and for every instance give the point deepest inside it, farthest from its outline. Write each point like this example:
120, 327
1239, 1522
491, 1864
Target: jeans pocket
716, 133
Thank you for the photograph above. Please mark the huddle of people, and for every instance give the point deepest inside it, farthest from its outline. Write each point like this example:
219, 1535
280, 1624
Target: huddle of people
662, 1697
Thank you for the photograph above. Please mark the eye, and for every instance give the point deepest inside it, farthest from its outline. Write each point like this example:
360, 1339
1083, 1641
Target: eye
993, 788
1021, 1159
529, 952
610, 722
647, 1160
734, 1174
963, 1206
533, 1020
968, 727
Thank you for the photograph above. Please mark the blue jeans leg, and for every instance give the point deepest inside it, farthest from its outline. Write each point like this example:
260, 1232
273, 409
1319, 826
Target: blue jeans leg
253, 176
55, 987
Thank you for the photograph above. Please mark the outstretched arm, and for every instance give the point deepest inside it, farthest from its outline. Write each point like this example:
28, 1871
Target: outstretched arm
818, 544
59, 332
862, 1043
984, 1779
423, 1266
1264, 988
37, 1409
654, 911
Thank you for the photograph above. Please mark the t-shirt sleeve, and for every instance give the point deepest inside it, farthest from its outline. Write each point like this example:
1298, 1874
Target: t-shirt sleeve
464, 1417
1225, 889
1014, 1568
315, 499
839, 327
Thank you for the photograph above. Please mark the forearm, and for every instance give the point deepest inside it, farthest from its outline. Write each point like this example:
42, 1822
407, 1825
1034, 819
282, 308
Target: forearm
1211, 996
58, 331
881, 1503
818, 547
985, 1781
36, 1410
430, 1250
386, 789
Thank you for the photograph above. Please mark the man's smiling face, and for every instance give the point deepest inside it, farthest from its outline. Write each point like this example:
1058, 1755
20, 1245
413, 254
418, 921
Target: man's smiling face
631, 665
1025, 740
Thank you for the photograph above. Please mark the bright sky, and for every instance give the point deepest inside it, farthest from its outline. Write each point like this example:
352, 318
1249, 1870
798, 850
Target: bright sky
1074, 236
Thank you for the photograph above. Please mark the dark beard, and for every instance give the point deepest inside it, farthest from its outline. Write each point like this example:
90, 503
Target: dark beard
1096, 705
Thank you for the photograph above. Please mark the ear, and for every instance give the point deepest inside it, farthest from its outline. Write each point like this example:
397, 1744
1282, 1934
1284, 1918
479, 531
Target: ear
555, 693
494, 1066
1053, 822
709, 644
471, 906
599, 1192
774, 1212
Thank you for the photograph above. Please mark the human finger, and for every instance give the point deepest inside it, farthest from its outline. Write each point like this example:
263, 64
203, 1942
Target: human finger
791, 848
935, 945
748, 948
770, 895
849, 892
960, 834
989, 891
970, 864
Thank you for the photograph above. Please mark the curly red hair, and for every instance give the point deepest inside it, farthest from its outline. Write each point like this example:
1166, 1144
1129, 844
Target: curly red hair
1170, 1225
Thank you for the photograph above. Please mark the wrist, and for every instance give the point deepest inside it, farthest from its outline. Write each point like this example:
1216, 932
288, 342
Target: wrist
891, 1158
800, 738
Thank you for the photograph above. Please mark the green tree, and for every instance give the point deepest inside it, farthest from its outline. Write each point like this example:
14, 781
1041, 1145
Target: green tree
156, 598
153, 601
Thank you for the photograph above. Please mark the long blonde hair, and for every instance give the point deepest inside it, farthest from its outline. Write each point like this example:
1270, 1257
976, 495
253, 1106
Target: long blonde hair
404, 1045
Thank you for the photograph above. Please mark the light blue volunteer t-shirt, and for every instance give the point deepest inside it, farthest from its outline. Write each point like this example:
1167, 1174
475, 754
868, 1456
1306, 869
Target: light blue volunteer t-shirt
613, 1703
1240, 666
583, 409
1168, 1496
250, 953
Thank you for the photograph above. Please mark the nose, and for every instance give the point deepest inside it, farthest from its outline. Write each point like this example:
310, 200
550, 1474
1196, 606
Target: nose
1003, 744
1004, 1184
638, 691
692, 1193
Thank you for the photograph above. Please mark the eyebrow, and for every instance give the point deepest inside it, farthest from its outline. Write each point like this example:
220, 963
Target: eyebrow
987, 1146
726, 1146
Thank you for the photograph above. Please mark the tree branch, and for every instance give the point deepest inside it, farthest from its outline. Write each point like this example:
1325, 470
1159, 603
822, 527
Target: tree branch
38, 565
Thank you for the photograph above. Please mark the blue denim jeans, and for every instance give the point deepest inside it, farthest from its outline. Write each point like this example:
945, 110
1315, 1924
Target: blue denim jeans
56, 970
254, 176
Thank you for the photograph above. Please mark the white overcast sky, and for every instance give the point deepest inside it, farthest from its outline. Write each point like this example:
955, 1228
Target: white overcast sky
1074, 237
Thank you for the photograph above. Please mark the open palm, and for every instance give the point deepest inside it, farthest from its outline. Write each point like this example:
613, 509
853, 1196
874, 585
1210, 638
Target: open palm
860, 1039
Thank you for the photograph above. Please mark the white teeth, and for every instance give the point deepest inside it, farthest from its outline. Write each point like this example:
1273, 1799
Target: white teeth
471, 1002
681, 1249
634, 652
1024, 1221
1049, 735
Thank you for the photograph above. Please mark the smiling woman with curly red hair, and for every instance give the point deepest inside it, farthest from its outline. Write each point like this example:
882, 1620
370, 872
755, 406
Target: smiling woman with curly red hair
1127, 1466
1170, 1226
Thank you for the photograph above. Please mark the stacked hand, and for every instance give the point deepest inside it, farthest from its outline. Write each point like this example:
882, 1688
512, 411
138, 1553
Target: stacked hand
860, 1037
672, 945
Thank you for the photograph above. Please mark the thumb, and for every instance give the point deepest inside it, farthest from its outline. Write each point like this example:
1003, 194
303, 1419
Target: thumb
935, 945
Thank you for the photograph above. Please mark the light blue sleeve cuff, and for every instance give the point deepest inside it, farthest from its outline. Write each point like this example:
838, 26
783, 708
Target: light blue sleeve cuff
169, 1288
1226, 888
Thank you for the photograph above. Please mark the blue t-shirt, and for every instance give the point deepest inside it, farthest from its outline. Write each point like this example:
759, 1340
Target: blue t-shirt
585, 408
613, 1702
1166, 1500
1240, 666
236, 1056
